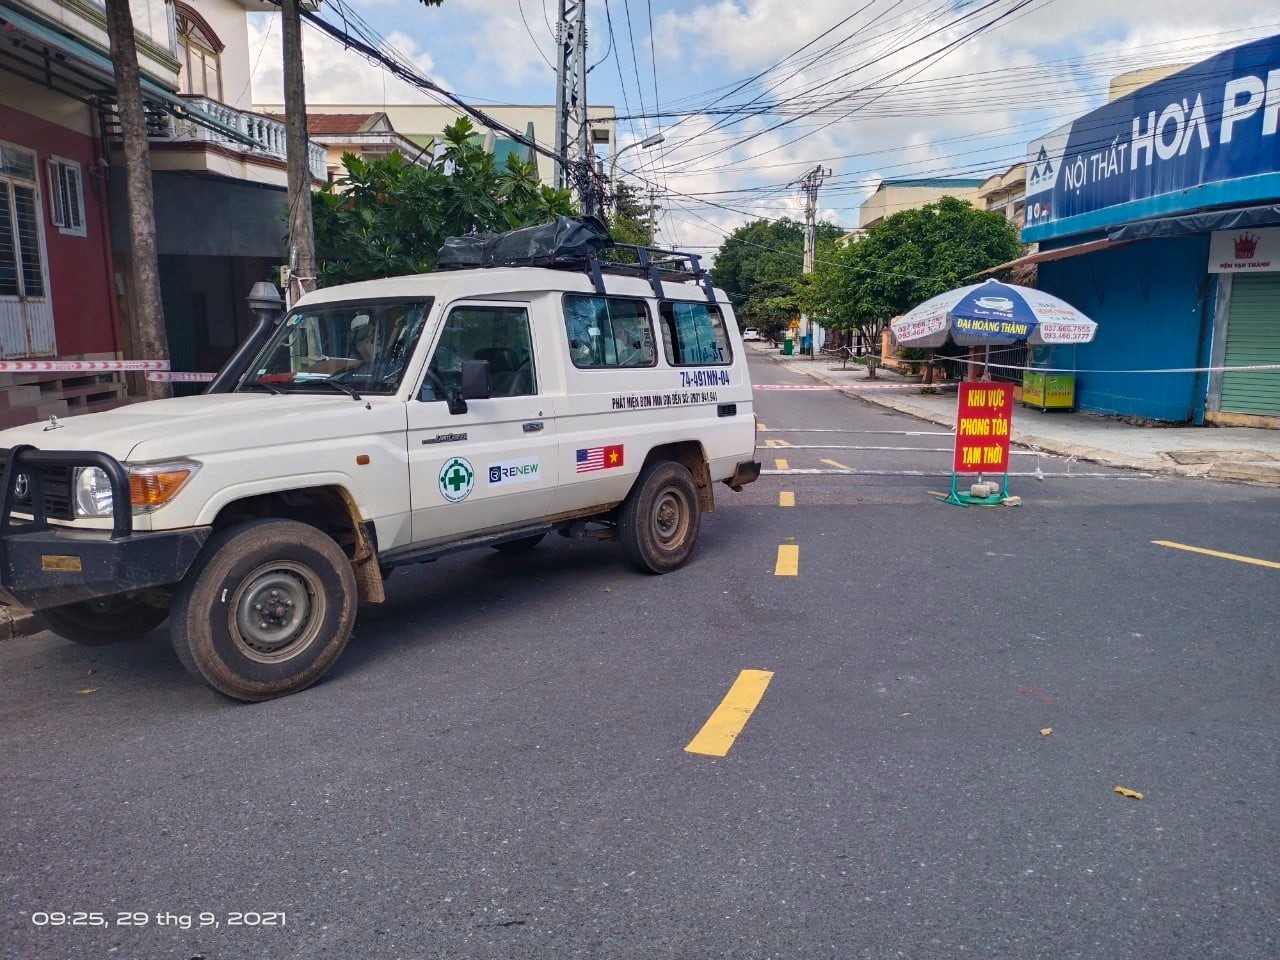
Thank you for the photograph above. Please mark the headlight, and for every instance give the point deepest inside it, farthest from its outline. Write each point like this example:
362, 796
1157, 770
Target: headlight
151, 486
93, 493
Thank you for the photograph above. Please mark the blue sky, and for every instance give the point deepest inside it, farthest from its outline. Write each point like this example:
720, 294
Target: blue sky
892, 98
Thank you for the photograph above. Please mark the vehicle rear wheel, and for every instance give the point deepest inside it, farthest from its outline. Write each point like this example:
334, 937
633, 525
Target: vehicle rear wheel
658, 524
266, 611
523, 545
104, 620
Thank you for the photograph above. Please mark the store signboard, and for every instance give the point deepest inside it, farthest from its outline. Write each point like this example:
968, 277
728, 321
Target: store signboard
1245, 251
1208, 135
984, 420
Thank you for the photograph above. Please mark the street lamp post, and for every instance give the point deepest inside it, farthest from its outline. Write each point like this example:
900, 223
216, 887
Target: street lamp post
645, 144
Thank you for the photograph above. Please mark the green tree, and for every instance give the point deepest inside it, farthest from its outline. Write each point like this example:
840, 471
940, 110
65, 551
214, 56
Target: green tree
629, 222
912, 256
760, 266
388, 217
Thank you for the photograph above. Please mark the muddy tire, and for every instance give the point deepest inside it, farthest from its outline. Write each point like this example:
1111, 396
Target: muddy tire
266, 610
523, 545
658, 524
105, 620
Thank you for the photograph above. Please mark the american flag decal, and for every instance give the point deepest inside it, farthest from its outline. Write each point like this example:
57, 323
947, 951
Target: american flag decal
599, 458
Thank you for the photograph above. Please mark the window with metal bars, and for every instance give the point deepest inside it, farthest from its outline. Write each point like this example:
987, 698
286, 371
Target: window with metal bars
21, 249
66, 196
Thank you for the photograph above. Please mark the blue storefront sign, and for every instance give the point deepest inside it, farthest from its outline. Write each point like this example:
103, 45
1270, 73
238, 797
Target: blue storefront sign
1205, 136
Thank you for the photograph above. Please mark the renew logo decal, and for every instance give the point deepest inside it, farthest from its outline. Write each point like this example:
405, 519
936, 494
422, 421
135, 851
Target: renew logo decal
508, 472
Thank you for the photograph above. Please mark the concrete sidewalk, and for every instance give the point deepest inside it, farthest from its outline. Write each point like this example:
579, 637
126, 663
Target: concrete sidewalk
1222, 453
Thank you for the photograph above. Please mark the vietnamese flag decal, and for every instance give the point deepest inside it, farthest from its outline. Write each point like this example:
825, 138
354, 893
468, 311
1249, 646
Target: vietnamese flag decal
613, 456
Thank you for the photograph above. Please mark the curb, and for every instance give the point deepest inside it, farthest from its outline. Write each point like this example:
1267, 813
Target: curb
1258, 474
17, 622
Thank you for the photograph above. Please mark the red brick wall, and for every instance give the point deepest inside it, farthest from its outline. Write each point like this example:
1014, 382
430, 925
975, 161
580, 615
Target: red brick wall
80, 279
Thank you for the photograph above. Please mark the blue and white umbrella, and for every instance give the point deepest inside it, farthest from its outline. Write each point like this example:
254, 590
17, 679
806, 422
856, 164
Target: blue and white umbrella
992, 313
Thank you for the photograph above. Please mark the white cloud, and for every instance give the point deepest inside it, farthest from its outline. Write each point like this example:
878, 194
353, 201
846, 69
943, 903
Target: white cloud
333, 73
967, 114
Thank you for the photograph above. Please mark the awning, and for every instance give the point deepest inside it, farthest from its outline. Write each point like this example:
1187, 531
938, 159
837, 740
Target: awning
1062, 253
1205, 222
94, 63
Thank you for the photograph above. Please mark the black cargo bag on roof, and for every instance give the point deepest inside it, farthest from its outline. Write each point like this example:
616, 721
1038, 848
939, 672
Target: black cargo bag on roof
563, 240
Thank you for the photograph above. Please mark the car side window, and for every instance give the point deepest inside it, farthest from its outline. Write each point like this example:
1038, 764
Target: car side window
608, 332
693, 334
499, 334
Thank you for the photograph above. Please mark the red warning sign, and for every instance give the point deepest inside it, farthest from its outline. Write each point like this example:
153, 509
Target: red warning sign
984, 418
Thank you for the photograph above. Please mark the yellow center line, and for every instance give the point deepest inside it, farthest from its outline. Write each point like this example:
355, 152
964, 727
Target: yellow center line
771, 442
837, 464
761, 426
781, 464
786, 498
1218, 553
784, 443
727, 720
788, 562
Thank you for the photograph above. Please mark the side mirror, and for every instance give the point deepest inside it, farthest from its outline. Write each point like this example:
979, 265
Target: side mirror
477, 381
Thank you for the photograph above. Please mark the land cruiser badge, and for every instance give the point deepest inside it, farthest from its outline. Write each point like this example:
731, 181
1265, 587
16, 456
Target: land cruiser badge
457, 478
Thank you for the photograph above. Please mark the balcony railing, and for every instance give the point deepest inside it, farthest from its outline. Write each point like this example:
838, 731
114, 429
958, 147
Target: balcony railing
267, 133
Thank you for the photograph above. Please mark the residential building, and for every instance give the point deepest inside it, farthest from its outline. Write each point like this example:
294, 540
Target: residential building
367, 135
422, 123
894, 196
1158, 215
219, 180
221, 185
1007, 193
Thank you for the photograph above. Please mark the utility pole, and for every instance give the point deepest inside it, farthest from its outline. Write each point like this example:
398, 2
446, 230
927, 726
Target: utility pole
577, 168
302, 241
149, 338
809, 185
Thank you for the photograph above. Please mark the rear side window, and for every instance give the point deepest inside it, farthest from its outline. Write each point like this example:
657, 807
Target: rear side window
607, 333
693, 334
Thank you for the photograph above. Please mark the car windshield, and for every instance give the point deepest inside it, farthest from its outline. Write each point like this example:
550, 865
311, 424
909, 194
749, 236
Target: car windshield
363, 347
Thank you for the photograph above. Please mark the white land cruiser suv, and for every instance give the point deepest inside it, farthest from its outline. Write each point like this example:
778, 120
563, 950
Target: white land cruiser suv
379, 424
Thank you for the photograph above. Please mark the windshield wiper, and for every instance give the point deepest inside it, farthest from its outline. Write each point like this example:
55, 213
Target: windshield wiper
349, 391
269, 387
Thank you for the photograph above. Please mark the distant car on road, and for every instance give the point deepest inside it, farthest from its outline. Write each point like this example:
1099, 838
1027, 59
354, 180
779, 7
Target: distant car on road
751, 333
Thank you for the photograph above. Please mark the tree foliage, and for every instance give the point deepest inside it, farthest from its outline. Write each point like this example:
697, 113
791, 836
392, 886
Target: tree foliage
760, 266
389, 216
912, 256
629, 222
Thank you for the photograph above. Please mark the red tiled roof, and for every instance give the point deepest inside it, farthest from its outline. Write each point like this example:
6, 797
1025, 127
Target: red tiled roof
337, 123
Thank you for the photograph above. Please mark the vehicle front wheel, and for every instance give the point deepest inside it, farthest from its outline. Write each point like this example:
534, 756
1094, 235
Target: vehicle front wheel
658, 524
266, 611
104, 620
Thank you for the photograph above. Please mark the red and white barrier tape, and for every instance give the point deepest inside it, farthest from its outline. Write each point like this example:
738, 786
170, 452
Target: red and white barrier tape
850, 386
168, 377
80, 366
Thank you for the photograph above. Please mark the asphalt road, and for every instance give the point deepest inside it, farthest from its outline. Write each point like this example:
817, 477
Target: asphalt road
497, 767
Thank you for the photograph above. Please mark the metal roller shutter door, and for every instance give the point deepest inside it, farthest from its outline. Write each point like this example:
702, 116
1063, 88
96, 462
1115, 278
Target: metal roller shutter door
1253, 337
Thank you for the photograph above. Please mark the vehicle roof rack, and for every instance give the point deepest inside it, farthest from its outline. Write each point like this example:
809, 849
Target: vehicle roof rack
574, 243
652, 263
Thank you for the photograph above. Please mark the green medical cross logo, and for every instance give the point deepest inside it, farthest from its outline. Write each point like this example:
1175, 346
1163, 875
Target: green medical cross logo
457, 478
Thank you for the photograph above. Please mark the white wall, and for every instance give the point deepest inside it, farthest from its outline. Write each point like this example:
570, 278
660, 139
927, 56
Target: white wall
227, 18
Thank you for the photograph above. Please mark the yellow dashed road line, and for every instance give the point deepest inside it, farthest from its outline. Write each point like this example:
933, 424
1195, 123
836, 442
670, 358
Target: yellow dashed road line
786, 499
781, 464
727, 720
1218, 553
837, 464
788, 562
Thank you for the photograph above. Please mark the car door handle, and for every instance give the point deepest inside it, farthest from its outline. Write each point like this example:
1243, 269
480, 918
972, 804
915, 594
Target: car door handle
533, 426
